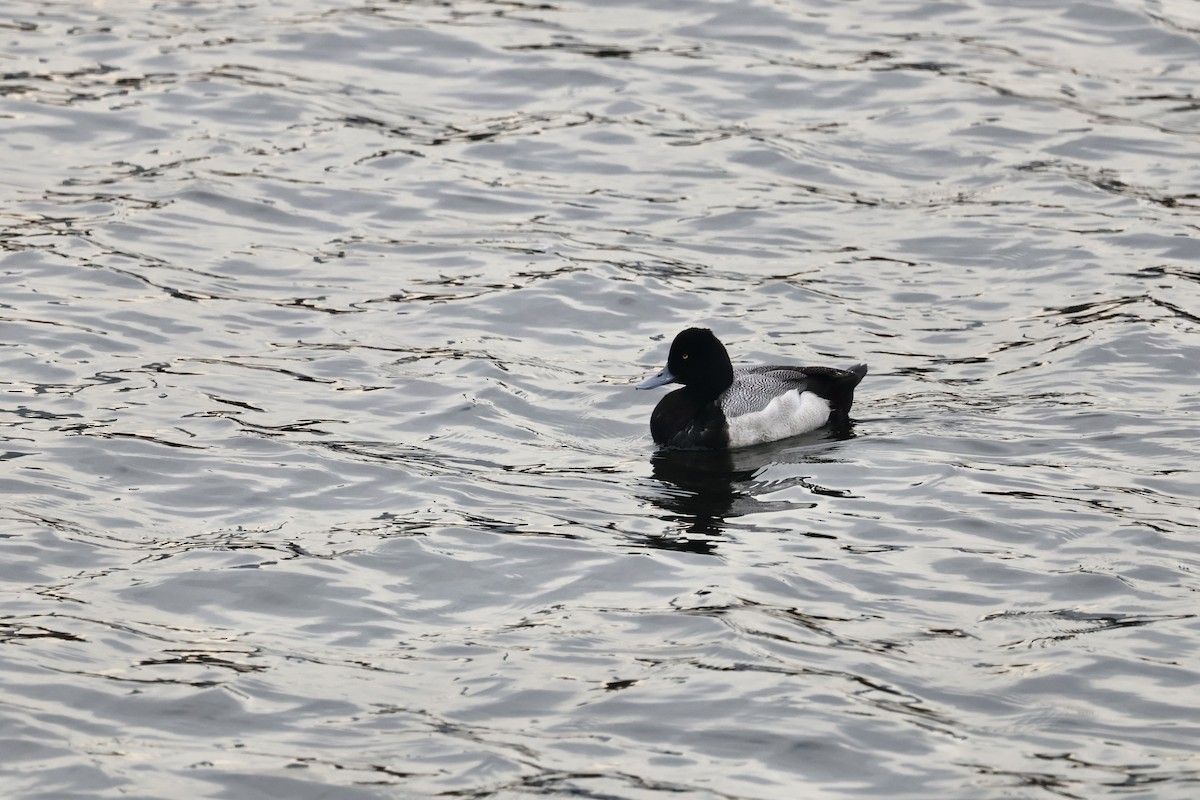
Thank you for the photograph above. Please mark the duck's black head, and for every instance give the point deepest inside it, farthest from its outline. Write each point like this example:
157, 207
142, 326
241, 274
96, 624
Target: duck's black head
697, 360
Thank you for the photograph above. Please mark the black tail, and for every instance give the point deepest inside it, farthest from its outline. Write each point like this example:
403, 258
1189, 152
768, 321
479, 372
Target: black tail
859, 371
841, 395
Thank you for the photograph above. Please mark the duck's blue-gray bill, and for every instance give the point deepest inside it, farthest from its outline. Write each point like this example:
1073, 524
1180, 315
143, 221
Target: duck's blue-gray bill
658, 380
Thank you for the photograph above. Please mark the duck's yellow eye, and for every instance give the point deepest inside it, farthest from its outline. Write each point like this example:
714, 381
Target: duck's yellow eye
684, 356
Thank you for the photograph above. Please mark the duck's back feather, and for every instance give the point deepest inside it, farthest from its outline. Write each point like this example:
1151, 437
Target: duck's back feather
755, 387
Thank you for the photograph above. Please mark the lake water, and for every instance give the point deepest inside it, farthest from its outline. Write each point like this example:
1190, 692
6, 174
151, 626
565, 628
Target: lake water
323, 472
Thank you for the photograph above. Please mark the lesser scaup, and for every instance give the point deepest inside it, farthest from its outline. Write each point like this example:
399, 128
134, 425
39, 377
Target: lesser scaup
720, 407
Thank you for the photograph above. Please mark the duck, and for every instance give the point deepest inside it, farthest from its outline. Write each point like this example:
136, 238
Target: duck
722, 408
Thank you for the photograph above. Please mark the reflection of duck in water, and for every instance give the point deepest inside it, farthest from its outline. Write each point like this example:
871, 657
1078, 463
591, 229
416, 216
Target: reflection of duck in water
698, 489
720, 408
703, 489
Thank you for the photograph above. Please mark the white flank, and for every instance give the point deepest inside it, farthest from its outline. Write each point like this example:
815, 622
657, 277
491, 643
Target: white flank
787, 415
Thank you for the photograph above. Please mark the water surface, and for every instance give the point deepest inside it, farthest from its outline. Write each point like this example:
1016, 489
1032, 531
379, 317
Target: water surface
323, 472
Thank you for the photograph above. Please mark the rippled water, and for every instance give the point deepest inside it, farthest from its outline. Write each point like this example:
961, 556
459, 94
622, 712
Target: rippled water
323, 472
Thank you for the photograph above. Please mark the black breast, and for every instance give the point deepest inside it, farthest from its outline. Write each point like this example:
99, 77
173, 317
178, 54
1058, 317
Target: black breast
684, 419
